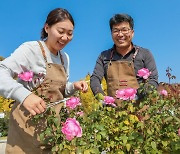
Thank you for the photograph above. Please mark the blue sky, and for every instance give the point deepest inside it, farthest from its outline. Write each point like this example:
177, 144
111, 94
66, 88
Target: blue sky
157, 27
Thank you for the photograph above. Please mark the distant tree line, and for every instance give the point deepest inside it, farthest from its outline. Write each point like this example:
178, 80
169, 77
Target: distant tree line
1, 58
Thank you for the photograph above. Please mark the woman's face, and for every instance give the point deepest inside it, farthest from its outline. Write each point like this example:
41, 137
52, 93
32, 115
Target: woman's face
59, 35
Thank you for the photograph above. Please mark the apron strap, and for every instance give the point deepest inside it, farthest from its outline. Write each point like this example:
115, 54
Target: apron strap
44, 55
62, 60
136, 52
111, 56
43, 52
133, 57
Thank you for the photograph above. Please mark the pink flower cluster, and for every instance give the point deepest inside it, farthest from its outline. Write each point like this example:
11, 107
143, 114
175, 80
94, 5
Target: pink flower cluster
73, 102
26, 76
144, 73
71, 128
179, 131
126, 94
164, 92
109, 100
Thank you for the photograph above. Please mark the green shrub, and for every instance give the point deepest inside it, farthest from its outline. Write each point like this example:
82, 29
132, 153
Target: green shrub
148, 126
4, 126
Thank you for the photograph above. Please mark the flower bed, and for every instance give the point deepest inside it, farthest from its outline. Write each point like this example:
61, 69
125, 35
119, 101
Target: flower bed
147, 125
151, 125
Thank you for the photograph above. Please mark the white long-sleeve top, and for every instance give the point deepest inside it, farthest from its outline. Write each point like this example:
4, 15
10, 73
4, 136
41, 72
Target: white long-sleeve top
28, 57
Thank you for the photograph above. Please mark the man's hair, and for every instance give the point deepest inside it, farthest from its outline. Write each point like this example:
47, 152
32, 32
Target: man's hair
118, 18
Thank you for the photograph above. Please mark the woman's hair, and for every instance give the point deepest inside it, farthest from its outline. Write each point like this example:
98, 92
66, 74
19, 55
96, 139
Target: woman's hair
55, 16
118, 18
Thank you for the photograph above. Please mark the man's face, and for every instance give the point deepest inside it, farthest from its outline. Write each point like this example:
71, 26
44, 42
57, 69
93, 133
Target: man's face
122, 35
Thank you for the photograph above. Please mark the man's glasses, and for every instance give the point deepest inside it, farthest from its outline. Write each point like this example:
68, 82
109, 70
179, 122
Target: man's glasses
123, 31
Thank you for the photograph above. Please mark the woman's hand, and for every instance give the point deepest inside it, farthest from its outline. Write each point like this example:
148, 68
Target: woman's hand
34, 104
81, 85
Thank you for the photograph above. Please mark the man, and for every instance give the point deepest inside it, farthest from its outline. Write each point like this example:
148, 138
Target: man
120, 64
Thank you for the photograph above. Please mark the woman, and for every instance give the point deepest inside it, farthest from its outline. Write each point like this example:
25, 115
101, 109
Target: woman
42, 71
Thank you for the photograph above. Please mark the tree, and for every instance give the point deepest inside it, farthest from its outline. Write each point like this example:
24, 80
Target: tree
1, 58
87, 99
169, 75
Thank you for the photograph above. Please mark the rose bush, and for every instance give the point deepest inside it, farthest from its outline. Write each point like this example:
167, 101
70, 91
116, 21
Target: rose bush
4, 108
147, 125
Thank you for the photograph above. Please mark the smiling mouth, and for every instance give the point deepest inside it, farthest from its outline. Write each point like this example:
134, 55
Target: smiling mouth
61, 43
121, 41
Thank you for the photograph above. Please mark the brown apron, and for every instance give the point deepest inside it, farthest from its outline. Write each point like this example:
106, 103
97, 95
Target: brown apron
23, 134
121, 74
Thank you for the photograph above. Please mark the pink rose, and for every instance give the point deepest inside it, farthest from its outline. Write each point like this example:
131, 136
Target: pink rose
144, 72
164, 92
71, 128
81, 113
109, 100
120, 93
126, 94
73, 102
26, 76
179, 131
130, 93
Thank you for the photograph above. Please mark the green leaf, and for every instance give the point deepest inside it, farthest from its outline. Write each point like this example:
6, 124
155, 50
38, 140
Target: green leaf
99, 96
82, 142
168, 119
87, 152
128, 146
131, 108
98, 137
140, 139
53, 149
65, 151
109, 109
103, 133
119, 152
95, 151
177, 119
112, 144
100, 127
60, 147
56, 121
153, 145
140, 124
58, 130
164, 143
149, 132
125, 128
117, 138
79, 150
48, 132
41, 136
124, 138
